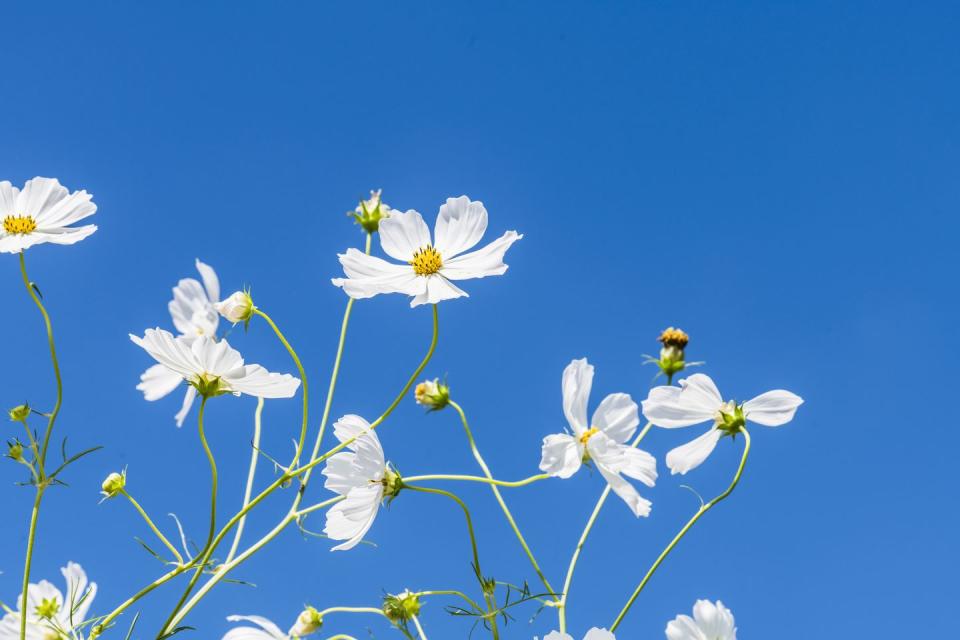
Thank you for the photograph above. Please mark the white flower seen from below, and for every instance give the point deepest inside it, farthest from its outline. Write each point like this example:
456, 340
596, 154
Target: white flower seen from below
213, 367
698, 400
602, 440
265, 629
42, 212
362, 476
194, 314
709, 622
50, 614
593, 634
428, 267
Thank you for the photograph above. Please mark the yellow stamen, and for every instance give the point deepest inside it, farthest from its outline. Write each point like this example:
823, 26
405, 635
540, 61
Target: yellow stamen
426, 261
19, 225
672, 337
589, 433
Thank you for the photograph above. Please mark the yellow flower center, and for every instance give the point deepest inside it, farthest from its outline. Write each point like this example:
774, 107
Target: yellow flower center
589, 433
19, 225
426, 261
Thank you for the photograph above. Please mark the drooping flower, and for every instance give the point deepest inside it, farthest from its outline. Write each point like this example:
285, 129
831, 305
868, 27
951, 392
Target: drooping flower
697, 400
213, 367
265, 629
42, 212
593, 634
429, 266
601, 440
50, 615
194, 314
433, 394
709, 622
361, 474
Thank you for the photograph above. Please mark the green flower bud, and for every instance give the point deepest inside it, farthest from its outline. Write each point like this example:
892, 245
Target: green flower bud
401, 607
369, 213
15, 451
307, 622
432, 394
20, 413
114, 484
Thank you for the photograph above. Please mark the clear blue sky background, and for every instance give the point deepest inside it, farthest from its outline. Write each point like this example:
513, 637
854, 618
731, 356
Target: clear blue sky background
780, 180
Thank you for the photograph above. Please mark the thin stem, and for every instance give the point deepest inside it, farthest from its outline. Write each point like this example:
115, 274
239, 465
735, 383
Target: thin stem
108, 619
251, 473
562, 608
490, 481
304, 423
420, 632
450, 592
500, 500
41, 460
673, 543
316, 507
372, 610
213, 474
153, 527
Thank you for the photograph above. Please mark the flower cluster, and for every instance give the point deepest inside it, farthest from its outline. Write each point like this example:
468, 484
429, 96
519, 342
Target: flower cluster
426, 268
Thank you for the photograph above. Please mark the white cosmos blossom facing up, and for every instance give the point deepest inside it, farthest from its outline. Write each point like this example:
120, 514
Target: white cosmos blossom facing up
265, 629
602, 440
593, 634
42, 212
698, 400
358, 474
709, 622
50, 615
203, 361
428, 267
194, 314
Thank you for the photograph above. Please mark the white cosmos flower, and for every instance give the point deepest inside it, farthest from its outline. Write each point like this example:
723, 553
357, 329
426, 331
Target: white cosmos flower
194, 314
215, 366
42, 212
50, 616
428, 267
265, 629
360, 474
601, 440
697, 400
709, 622
593, 634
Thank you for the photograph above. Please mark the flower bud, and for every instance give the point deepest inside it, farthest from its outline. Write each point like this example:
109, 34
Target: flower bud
15, 451
369, 212
432, 394
237, 308
392, 484
401, 607
307, 622
20, 413
114, 484
672, 358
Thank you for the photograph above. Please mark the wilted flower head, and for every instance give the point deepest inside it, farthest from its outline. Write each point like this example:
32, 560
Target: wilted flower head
42, 212
20, 413
237, 308
432, 394
50, 615
369, 213
307, 622
402, 606
114, 484
709, 622
427, 267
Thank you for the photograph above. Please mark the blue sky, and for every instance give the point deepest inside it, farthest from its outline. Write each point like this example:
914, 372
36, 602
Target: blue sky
780, 180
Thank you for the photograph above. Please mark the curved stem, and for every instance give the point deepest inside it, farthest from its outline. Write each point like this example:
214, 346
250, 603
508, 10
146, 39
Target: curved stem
503, 505
42, 459
303, 381
251, 474
420, 632
673, 543
562, 608
484, 480
153, 527
213, 474
330, 610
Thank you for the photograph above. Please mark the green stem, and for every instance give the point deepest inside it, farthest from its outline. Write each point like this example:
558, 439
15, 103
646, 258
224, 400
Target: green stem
673, 543
420, 632
562, 607
484, 480
450, 592
213, 474
251, 474
153, 527
491, 608
500, 500
41, 461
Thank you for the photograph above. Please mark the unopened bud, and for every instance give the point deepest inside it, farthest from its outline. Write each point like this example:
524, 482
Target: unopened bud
237, 308
15, 451
114, 484
20, 413
307, 622
369, 213
432, 394
401, 607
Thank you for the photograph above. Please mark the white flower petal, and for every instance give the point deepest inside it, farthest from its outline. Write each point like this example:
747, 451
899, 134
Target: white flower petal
368, 276
67, 210
351, 518
210, 281
80, 596
576, 384
684, 628
556, 635
188, 398
696, 400
158, 382
174, 354
191, 310
772, 408
364, 462
487, 261
267, 629
254, 380
617, 416
8, 199
460, 225
599, 634
714, 620
691, 455
38, 196
639, 465
560, 456
609, 458
438, 289
402, 234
